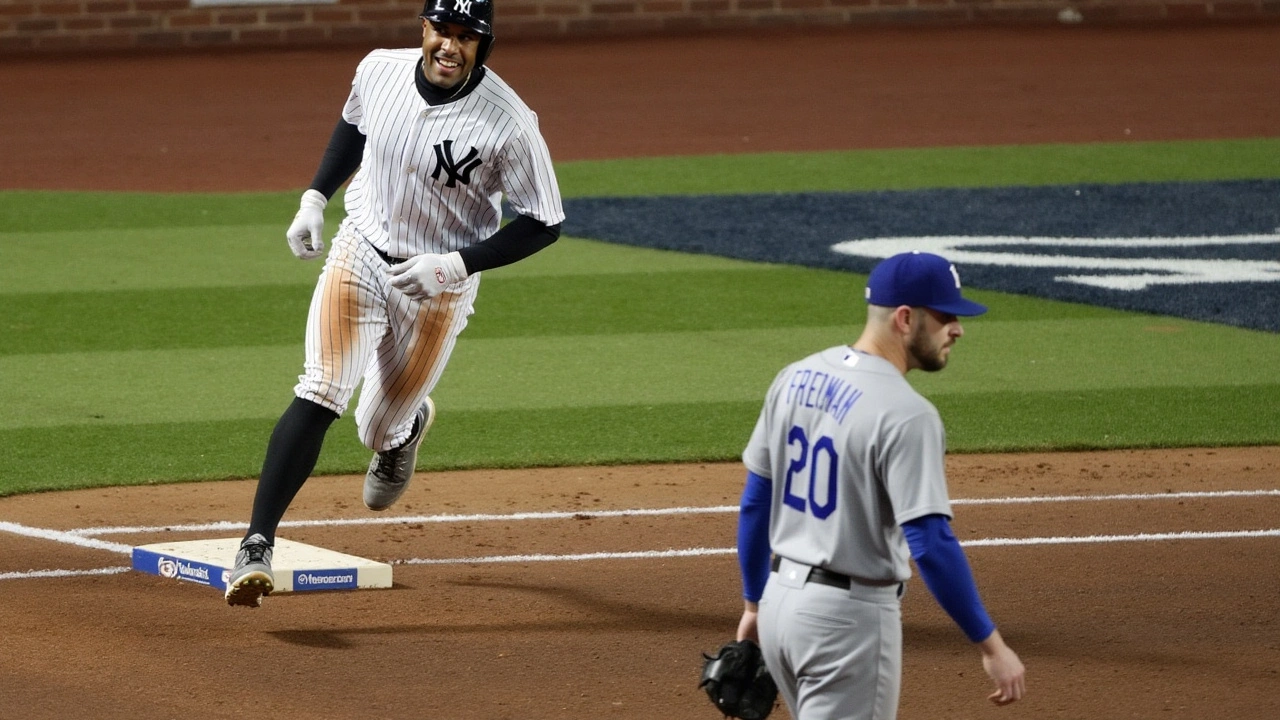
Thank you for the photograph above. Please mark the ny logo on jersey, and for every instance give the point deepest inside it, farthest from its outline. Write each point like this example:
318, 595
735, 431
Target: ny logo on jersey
462, 6
457, 170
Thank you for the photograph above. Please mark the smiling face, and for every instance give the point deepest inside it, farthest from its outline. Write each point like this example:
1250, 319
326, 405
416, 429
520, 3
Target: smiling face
932, 335
449, 52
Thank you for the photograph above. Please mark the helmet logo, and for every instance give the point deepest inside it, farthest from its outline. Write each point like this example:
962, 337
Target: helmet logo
462, 6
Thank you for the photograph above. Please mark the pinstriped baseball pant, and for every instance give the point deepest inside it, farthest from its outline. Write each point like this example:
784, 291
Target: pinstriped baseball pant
361, 328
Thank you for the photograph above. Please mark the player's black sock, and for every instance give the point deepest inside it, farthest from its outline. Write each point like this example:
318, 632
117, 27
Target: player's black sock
291, 456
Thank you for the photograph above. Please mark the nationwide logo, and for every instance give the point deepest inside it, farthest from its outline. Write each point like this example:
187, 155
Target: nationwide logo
190, 571
167, 567
324, 579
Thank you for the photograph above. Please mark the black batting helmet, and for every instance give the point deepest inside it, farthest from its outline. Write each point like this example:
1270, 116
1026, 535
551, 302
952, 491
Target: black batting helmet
476, 15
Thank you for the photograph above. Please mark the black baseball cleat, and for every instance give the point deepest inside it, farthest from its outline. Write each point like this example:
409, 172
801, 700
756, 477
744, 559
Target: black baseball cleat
391, 470
251, 578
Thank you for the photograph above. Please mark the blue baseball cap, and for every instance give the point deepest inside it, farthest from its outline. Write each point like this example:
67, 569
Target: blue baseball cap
919, 279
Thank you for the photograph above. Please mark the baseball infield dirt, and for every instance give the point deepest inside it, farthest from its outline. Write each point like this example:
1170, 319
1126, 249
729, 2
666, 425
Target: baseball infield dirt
1178, 620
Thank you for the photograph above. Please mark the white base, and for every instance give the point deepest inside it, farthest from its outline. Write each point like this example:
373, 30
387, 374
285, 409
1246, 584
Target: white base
297, 567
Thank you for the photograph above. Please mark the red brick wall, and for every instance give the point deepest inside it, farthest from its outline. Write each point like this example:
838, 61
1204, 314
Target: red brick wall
40, 26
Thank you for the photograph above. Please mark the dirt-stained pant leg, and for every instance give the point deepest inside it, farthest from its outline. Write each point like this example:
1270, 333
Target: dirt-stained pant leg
345, 323
360, 328
410, 360
835, 654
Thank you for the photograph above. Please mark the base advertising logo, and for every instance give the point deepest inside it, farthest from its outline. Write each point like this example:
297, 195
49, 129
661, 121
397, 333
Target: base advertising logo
179, 569
193, 571
338, 579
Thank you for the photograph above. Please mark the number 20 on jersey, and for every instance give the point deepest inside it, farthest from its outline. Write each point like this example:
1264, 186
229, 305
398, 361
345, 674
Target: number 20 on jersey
813, 472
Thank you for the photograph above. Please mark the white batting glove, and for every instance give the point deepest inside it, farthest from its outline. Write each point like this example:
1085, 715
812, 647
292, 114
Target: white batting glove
427, 275
306, 234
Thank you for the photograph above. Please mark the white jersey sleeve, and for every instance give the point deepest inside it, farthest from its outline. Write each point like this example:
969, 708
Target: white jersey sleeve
353, 109
528, 178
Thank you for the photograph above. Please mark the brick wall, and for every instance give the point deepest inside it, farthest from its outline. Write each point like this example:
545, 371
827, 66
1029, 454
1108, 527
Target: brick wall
47, 26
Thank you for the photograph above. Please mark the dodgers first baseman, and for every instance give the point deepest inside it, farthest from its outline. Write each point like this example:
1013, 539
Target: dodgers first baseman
845, 478
438, 140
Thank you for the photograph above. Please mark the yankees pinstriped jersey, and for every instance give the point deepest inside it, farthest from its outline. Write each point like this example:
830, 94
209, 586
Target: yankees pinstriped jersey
431, 180
431, 142
863, 453
432, 177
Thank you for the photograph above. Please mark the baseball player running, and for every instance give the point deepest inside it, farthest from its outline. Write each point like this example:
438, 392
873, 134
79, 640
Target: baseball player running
438, 139
845, 476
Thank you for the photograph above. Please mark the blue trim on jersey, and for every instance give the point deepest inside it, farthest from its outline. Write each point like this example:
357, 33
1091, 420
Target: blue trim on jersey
946, 573
753, 535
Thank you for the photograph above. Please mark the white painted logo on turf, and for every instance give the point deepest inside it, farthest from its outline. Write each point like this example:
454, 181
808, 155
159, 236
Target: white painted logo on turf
1112, 273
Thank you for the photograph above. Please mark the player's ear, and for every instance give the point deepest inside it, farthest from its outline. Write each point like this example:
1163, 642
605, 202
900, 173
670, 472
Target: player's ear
902, 318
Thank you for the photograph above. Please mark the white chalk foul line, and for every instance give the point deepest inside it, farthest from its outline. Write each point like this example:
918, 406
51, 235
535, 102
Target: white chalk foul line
63, 537
83, 537
70, 538
637, 555
412, 520
1139, 537
697, 552
423, 519
1126, 496
62, 573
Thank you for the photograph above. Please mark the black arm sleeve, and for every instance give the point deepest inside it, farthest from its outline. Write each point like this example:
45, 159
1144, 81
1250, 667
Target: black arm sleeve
516, 240
341, 158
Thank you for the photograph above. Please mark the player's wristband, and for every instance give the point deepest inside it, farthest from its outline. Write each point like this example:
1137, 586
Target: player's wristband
753, 535
453, 267
313, 198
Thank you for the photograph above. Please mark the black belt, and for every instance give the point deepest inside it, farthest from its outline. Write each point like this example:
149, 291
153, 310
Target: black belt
821, 576
387, 258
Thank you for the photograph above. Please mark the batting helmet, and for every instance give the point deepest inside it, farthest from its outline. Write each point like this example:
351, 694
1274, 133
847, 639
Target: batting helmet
476, 15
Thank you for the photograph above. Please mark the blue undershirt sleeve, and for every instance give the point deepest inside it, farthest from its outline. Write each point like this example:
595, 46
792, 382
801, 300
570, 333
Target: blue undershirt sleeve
946, 573
753, 535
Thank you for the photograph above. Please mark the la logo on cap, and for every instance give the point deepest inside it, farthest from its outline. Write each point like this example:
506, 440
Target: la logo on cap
919, 279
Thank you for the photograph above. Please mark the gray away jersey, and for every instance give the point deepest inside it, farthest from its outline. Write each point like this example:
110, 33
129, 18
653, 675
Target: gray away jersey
853, 451
432, 177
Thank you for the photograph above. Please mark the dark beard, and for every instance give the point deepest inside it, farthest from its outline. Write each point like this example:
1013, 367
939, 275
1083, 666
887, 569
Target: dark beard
929, 359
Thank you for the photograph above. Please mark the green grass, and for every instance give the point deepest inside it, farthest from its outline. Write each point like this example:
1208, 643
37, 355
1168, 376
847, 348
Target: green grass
156, 338
897, 169
911, 169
